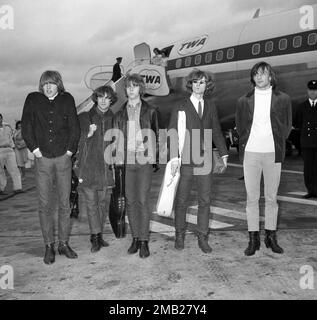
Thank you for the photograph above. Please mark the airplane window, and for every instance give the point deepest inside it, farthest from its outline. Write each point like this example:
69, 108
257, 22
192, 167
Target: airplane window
208, 57
256, 49
198, 60
230, 53
219, 55
312, 39
297, 41
269, 46
178, 63
282, 44
188, 61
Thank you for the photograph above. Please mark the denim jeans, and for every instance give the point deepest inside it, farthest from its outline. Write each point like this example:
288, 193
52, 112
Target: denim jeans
204, 200
46, 170
253, 165
138, 178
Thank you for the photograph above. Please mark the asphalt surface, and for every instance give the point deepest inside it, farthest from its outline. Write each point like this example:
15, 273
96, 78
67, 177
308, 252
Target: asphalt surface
168, 274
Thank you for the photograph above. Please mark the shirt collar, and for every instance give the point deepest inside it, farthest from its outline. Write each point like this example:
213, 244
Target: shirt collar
195, 101
52, 98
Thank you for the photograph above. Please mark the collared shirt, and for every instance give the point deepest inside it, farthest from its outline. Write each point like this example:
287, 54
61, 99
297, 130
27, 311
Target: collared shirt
6, 136
195, 102
312, 101
135, 139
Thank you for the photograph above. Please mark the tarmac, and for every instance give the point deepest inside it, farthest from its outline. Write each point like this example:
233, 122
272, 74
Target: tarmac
168, 274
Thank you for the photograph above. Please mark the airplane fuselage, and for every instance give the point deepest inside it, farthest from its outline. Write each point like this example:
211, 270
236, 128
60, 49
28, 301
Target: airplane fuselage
287, 40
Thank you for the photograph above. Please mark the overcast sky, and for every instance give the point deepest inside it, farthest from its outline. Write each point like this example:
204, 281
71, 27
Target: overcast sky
73, 35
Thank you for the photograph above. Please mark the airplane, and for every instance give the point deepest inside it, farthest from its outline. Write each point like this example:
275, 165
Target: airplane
287, 40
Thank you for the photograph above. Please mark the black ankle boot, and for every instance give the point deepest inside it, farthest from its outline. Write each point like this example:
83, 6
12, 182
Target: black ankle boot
179, 240
49, 256
95, 244
271, 241
102, 242
254, 243
65, 249
144, 249
203, 243
135, 245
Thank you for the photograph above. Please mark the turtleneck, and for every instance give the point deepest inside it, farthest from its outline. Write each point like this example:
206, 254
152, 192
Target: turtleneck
263, 91
261, 135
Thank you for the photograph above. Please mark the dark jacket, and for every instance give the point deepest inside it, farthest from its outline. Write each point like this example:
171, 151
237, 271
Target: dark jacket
91, 166
306, 121
209, 120
281, 121
52, 126
148, 120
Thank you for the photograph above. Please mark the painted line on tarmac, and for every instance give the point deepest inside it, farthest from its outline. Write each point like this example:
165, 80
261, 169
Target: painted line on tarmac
213, 224
297, 200
283, 170
168, 230
297, 193
228, 213
161, 228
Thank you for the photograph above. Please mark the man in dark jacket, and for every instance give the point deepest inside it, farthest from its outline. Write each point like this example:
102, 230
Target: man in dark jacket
50, 128
137, 147
263, 121
307, 123
116, 70
95, 178
201, 118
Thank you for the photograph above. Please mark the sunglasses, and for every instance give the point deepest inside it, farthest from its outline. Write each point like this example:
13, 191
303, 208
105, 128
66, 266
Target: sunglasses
200, 82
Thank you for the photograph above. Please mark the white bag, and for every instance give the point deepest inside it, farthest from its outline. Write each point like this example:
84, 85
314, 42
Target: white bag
164, 205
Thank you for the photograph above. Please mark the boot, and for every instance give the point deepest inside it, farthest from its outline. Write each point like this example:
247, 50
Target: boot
271, 241
203, 243
65, 249
135, 245
254, 243
95, 244
144, 249
49, 256
102, 242
179, 240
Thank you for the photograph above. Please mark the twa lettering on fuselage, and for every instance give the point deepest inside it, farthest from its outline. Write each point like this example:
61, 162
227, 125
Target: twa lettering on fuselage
193, 45
152, 78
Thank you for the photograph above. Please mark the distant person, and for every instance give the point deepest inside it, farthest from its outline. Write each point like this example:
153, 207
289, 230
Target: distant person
95, 178
50, 128
307, 124
8, 159
164, 59
264, 121
157, 58
201, 115
21, 150
116, 70
138, 151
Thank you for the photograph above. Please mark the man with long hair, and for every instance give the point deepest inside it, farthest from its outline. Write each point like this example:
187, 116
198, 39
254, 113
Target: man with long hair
201, 120
50, 128
95, 178
138, 122
263, 121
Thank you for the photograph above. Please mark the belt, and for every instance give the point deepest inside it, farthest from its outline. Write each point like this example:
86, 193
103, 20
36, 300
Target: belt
5, 147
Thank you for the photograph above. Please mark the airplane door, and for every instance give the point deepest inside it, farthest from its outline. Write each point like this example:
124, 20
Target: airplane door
142, 53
